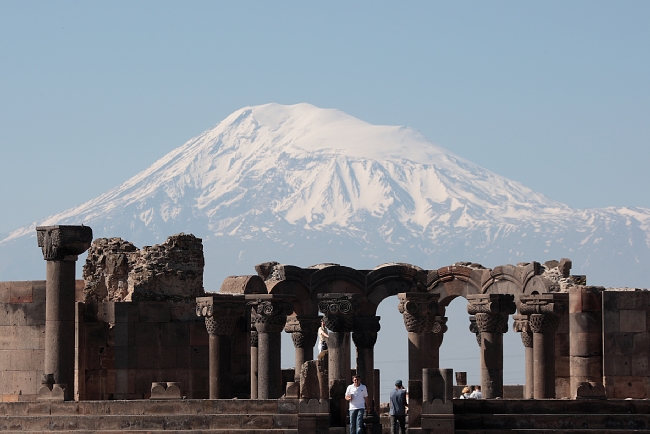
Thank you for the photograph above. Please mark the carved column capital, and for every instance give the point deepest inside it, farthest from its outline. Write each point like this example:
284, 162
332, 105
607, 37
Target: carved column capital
339, 310
474, 329
439, 328
544, 310
554, 304
418, 310
491, 311
271, 315
365, 331
521, 325
220, 312
63, 243
493, 304
303, 329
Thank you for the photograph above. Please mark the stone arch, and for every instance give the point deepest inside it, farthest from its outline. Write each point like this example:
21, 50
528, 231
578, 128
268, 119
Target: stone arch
390, 279
456, 281
509, 279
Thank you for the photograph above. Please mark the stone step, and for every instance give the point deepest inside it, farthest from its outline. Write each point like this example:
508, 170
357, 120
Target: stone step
201, 431
148, 423
549, 431
552, 421
550, 406
151, 407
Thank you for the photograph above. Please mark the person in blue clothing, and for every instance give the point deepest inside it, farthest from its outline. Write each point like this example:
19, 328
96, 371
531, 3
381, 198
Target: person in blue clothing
398, 408
357, 394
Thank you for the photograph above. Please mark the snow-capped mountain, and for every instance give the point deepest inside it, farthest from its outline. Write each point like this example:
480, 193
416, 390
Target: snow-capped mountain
302, 185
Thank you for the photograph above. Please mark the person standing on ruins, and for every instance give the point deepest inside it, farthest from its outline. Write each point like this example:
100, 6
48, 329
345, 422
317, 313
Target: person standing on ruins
398, 408
357, 394
322, 337
476, 394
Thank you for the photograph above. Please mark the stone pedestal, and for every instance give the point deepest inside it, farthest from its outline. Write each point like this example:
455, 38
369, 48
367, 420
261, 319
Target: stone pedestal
365, 338
304, 332
271, 313
61, 246
491, 312
586, 330
543, 312
418, 310
221, 312
521, 325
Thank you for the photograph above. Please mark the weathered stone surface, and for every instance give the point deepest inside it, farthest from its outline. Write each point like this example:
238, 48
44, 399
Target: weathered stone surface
116, 270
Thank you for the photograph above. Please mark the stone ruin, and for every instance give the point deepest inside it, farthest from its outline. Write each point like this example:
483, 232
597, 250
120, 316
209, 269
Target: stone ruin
116, 270
141, 327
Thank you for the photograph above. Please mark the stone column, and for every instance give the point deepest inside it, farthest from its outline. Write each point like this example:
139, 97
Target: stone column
271, 317
339, 310
61, 246
491, 312
221, 313
543, 312
364, 336
586, 332
521, 326
304, 332
254, 357
418, 310
438, 330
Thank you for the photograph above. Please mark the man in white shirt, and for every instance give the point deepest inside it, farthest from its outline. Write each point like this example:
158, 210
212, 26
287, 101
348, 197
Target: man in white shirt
476, 394
357, 394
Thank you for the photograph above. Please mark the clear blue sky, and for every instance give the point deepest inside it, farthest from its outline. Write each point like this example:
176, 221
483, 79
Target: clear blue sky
553, 94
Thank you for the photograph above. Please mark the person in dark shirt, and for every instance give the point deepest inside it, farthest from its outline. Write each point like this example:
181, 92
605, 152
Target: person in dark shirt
398, 408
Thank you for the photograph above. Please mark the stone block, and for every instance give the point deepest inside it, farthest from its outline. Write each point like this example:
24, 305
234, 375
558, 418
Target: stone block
563, 324
612, 322
619, 344
585, 344
5, 292
641, 344
7, 337
175, 334
21, 292
562, 387
107, 358
27, 337
154, 311
25, 382
27, 360
633, 320
167, 357
629, 387
182, 357
147, 334
562, 366
585, 322
95, 335
5, 360
149, 357
38, 291
199, 357
639, 366
590, 367
562, 344
591, 300
632, 299
198, 334
124, 334
34, 313
183, 311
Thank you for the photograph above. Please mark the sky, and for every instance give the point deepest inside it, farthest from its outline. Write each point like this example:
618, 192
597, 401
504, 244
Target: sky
552, 94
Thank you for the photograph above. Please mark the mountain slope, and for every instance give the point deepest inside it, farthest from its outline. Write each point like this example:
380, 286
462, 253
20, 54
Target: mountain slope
302, 184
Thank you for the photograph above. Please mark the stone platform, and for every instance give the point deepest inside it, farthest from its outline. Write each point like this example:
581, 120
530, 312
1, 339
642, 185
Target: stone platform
151, 416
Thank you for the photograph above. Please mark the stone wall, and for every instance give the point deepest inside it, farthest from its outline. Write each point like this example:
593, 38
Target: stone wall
116, 270
125, 346
626, 343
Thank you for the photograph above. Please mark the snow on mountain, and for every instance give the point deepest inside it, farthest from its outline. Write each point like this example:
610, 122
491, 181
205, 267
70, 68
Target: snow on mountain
303, 184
